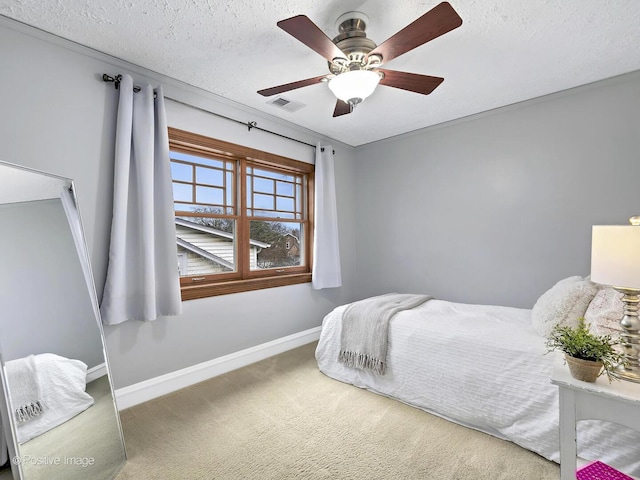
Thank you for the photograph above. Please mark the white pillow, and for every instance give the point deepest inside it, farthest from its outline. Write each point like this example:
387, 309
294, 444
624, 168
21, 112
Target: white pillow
605, 312
563, 304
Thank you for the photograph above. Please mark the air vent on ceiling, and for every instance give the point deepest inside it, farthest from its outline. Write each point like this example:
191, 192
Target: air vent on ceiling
285, 104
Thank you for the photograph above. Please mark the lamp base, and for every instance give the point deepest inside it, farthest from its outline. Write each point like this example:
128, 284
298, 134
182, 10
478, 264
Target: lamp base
629, 370
628, 374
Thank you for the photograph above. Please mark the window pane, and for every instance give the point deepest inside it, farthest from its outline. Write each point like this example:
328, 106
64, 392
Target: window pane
195, 159
209, 176
182, 192
283, 245
208, 210
205, 245
185, 207
180, 171
209, 195
284, 203
264, 202
271, 213
262, 185
203, 209
274, 175
249, 192
230, 189
284, 188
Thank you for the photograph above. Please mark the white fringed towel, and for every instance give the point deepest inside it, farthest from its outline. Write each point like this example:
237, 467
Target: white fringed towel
26, 403
365, 326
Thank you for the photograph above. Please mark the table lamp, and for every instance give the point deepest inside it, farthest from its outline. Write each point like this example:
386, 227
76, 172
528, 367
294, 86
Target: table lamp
615, 261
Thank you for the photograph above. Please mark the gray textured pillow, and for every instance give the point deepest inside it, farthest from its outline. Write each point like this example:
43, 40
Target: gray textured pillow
563, 304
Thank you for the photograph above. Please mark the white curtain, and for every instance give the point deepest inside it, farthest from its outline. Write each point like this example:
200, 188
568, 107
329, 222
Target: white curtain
326, 250
142, 276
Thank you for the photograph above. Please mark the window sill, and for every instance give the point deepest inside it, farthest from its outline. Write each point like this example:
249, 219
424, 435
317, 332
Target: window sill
193, 292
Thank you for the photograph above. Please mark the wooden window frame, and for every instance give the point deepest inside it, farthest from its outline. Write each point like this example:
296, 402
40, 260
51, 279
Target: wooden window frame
245, 279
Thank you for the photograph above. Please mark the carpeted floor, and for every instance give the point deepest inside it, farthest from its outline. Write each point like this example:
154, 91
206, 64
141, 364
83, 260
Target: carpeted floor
283, 419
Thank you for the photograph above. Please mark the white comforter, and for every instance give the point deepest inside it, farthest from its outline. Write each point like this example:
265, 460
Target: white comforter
483, 367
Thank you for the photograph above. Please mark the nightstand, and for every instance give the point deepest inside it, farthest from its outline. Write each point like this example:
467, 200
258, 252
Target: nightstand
618, 402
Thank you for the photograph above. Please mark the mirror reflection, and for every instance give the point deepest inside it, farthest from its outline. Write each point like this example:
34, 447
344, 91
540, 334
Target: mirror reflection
58, 415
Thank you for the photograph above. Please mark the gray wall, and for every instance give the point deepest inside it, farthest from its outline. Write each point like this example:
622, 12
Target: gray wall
44, 299
495, 208
59, 117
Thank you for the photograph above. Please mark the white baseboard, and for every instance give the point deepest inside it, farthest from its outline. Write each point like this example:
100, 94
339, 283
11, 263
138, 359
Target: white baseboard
156, 387
96, 372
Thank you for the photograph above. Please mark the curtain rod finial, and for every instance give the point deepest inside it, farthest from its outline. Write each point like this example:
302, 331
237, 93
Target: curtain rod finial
116, 80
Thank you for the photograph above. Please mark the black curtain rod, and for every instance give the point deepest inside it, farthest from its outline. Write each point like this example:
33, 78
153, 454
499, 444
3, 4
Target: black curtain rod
250, 125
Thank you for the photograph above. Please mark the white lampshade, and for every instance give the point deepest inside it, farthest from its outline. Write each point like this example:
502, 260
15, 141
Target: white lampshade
615, 255
353, 87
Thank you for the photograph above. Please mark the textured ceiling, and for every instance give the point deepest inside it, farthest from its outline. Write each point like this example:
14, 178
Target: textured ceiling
506, 51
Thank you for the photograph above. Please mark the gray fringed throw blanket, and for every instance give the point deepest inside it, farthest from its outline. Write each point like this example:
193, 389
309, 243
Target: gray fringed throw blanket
363, 341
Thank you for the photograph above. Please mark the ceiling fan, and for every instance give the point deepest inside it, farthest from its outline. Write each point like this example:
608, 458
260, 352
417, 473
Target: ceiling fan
355, 61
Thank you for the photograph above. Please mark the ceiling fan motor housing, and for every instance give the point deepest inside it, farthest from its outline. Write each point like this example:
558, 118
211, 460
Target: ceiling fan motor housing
353, 42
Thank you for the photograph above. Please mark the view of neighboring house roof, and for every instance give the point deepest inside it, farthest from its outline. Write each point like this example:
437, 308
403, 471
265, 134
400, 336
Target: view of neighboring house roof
204, 253
213, 231
203, 240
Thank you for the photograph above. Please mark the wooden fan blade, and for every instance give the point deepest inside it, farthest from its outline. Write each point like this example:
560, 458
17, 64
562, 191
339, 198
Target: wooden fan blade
267, 92
439, 20
413, 82
342, 108
308, 33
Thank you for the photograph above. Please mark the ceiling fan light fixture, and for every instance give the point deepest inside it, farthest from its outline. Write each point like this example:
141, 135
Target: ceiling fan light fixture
354, 86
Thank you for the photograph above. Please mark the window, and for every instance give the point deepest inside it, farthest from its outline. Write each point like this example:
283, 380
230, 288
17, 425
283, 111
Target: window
243, 216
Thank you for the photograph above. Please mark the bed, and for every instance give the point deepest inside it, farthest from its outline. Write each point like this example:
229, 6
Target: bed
487, 368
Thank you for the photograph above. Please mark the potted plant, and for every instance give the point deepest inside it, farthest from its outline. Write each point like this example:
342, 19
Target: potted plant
587, 354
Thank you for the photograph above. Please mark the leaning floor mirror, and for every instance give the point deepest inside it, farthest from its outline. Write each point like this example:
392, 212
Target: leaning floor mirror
59, 418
